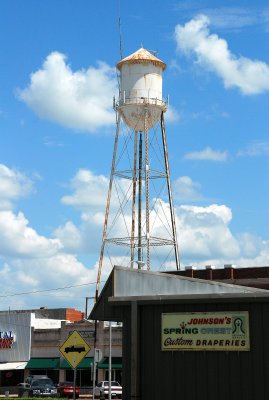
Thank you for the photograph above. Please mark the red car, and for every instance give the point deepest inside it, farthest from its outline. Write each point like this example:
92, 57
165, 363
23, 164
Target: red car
66, 389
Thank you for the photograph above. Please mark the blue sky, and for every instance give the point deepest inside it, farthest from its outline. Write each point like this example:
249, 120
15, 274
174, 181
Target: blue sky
57, 128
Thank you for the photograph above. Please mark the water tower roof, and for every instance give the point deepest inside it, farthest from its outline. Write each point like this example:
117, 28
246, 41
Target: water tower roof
141, 56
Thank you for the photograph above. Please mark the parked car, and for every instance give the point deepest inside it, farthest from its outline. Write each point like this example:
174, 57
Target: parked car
102, 390
41, 387
37, 386
66, 389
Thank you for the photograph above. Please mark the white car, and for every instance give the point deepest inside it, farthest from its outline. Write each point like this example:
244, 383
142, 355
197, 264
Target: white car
102, 390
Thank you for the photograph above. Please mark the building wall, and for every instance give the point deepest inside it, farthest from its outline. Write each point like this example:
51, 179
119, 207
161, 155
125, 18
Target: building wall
18, 328
203, 375
45, 343
253, 276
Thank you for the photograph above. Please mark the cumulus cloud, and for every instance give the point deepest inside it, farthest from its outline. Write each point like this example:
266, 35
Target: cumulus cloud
212, 53
204, 232
17, 239
38, 275
13, 185
185, 189
89, 195
30, 262
89, 190
70, 236
80, 100
207, 154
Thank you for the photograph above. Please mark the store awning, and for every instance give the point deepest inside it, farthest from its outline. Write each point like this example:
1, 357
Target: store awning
116, 363
43, 363
84, 364
12, 365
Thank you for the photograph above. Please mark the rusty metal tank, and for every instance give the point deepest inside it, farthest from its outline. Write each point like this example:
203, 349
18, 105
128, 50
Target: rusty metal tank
140, 101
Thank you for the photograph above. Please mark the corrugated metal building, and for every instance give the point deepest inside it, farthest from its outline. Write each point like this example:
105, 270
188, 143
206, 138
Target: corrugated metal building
141, 299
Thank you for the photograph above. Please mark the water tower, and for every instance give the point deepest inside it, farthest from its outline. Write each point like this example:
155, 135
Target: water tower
140, 212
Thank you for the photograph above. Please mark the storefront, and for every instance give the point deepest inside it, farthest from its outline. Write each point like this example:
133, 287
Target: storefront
116, 368
29, 345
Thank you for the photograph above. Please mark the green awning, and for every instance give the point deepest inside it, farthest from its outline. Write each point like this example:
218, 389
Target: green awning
84, 364
43, 363
116, 363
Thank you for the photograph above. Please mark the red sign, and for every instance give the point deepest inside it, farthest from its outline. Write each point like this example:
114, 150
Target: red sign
7, 338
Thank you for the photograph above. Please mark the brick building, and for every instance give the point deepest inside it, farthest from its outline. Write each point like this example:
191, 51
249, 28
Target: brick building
253, 276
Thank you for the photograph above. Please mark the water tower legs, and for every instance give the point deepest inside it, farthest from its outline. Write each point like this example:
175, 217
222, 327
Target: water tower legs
108, 206
134, 169
171, 202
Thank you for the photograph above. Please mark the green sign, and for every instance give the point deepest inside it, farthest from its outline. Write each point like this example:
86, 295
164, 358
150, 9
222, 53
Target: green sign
218, 331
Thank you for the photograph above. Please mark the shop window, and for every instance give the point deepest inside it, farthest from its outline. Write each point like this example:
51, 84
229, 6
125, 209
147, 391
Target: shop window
12, 378
116, 375
83, 377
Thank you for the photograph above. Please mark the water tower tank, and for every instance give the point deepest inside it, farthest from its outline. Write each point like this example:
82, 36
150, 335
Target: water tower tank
140, 100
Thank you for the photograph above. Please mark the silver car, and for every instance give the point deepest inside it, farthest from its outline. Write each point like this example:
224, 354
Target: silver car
102, 390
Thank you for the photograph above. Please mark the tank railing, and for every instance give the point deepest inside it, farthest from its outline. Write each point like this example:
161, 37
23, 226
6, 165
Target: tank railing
124, 100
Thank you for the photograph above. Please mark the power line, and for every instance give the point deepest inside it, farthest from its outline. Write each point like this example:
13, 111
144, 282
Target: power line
47, 290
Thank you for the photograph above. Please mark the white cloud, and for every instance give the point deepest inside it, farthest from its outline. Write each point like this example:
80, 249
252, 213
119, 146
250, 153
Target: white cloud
13, 185
172, 115
89, 190
17, 239
212, 53
36, 275
70, 236
207, 154
249, 244
80, 100
255, 150
184, 189
227, 17
30, 262
204, 232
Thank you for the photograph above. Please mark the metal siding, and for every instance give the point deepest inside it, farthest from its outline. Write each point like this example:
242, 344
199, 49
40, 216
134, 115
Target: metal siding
20, 325
126, 345
265, 366
258, 355
134, 282
204, 375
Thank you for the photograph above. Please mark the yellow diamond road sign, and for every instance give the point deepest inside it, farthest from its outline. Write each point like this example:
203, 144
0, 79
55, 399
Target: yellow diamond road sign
74, 349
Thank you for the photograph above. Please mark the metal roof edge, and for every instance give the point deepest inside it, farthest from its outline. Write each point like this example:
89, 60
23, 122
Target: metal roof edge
182, 278
214, 297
